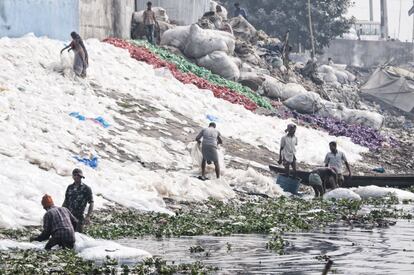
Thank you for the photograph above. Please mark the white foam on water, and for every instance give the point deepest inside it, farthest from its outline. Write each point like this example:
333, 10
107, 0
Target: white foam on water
88, 248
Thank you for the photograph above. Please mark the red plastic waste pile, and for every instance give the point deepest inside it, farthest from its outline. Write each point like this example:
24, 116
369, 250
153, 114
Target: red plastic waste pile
142, 54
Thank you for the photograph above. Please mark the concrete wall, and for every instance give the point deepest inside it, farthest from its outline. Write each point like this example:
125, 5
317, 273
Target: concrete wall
369, 53
53, 18
183, 12
104, 18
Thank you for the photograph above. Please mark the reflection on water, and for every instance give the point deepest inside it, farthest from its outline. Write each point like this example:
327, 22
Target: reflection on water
357, 251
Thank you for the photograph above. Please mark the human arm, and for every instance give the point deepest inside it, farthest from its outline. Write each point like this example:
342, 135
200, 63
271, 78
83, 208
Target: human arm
67, 47
89, 214
348, 167
200, 135
326, 160
219, 139
154, 18
244, 13
282, 145
47, 229
90, 209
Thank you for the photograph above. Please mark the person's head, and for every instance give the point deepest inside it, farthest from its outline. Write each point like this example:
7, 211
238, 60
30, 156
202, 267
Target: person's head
218, 8
329, 58
291, 129
149, 5
237, 5
332, 146
77, 175
74, 35
47, 202
212, 124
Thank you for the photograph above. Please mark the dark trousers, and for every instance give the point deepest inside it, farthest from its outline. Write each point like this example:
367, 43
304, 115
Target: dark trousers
149, 33
79, 225
62, 243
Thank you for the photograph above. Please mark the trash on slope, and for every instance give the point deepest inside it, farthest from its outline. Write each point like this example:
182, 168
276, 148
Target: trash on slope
142, 54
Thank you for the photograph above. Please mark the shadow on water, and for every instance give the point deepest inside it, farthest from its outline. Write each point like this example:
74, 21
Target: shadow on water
354, 251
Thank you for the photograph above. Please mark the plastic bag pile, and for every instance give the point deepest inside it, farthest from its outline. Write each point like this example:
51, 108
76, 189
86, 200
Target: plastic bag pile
187, 67
142, 54
359, 134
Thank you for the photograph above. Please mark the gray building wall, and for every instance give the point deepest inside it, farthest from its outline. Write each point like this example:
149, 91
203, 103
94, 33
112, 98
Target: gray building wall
52, 18
183, 12
369, 53
104, 18
58, 18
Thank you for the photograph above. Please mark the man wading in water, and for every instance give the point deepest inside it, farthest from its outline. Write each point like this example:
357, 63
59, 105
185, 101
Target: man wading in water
81, 61
77, 196
211, 139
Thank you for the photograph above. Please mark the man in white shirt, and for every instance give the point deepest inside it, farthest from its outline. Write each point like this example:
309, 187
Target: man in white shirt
287, 154
334, 159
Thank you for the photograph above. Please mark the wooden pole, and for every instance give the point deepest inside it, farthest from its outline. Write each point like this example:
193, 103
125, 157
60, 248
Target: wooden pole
311, 30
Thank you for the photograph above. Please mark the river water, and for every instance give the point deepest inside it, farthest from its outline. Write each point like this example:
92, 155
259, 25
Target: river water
354, 251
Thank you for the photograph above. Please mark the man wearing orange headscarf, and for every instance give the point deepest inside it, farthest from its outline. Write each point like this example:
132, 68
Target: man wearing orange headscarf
58, 222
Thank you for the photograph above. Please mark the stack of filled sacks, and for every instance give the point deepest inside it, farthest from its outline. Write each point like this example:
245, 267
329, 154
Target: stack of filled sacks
212, 49
297, 98
335, 75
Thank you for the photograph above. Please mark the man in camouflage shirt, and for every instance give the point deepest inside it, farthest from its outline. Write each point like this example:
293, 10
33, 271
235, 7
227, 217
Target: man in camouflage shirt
58, 222
77, 196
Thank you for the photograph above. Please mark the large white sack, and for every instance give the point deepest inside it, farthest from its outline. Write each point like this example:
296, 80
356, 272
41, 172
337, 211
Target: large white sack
351, 76
203, 42
273, 88
176, 37
308, 103
224, 13
363, 117
243, 29
330, 78
331, 109
293, 89
220, 63
341, 76
326, 69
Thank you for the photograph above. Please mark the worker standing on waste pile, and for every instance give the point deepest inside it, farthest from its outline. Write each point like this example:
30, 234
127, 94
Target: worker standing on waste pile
239, 11
58, 222
81, 61
150, 21
334, 159
77, 196
211, 139
287, 154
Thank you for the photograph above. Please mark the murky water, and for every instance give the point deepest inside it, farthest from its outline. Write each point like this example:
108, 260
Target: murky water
354, 251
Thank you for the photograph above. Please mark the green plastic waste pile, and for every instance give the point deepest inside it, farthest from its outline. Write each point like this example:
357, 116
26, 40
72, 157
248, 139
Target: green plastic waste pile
188, 67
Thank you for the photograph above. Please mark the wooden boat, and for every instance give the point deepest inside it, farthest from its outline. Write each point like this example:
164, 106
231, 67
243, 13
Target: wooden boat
381, 180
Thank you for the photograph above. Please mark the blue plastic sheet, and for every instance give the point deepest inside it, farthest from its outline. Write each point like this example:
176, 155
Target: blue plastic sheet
212, 118
78, 116
99, 120
93, 162
102, 122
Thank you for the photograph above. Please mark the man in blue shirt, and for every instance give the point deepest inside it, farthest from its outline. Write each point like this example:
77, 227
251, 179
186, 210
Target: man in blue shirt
239, 11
